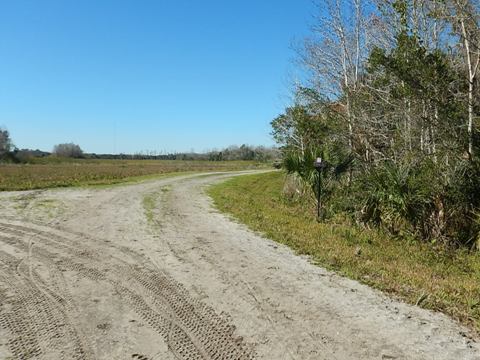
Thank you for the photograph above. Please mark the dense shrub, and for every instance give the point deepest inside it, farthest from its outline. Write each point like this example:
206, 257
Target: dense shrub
415, 198
422, 199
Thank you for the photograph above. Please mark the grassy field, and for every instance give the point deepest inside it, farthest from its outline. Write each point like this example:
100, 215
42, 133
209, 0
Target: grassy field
48, 173
446, 281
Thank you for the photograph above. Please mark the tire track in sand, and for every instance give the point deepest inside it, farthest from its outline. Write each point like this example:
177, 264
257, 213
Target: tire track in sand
191, 329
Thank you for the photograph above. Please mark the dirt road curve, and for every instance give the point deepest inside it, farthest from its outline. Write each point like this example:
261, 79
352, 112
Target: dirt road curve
151, 271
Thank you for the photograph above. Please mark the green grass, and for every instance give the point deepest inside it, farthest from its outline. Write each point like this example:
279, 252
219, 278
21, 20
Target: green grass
150, 204
53, 172
418, 273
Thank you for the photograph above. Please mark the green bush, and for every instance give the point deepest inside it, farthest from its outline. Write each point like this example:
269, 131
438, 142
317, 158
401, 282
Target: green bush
398, 197
423, 199
337, 164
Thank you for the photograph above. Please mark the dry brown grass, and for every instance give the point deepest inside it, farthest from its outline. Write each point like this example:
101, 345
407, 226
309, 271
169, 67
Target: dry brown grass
101, 172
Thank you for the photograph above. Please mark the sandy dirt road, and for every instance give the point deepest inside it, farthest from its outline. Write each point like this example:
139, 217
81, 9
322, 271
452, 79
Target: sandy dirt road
152, 271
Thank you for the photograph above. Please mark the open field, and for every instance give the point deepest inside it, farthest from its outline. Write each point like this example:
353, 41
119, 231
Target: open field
49, 173
444, 281
150, 270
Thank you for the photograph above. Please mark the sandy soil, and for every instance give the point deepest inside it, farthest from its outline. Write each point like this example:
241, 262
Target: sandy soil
106, 274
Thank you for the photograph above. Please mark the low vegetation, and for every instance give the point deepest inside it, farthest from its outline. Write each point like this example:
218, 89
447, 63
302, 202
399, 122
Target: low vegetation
432, 276
58, 172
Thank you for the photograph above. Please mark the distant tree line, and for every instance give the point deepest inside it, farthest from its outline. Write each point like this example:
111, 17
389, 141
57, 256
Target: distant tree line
234, 152
392, 105
245, 152
9, 153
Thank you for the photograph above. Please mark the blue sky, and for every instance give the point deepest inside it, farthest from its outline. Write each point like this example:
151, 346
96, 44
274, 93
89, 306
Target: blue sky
136, 75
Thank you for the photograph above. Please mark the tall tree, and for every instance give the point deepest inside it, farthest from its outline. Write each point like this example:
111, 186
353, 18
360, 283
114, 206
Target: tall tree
336, 53
5, 142
464, 15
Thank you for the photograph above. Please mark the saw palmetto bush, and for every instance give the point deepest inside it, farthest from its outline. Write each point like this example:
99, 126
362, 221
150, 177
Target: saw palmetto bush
434, 203
301, 165
396, 197
462, 204
417, 198
337, 165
